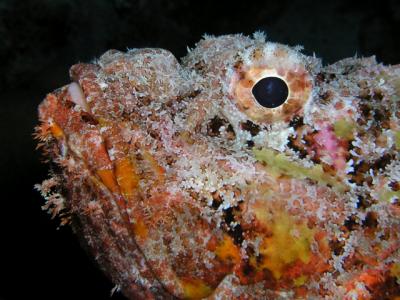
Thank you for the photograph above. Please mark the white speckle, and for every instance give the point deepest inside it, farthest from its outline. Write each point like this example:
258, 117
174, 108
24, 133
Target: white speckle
103, 85
276, 137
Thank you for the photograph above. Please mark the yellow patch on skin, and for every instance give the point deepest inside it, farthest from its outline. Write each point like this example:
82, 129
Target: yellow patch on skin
195, 289
344, 129
126, 176
299, 281
261, 212
103, 122
288, 243
395, 271
56, 131
108, 179
278, 163
186, 136
227, 250
387, 195
397, 139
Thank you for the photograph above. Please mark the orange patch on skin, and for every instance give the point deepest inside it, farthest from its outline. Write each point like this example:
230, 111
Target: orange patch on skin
195, 288
126, 176
228, 251
140, 229
108, 179
369, 278
56, 131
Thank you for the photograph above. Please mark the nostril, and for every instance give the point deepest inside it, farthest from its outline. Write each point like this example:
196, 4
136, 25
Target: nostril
217, 126
214, 126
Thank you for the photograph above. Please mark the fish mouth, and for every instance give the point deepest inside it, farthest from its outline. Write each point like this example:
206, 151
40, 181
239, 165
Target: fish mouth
130, 231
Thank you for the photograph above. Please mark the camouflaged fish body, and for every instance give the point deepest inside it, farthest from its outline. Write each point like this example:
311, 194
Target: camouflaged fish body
247, 171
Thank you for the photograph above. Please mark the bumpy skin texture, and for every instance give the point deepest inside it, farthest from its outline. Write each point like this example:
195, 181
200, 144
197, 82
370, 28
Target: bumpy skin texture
183, 186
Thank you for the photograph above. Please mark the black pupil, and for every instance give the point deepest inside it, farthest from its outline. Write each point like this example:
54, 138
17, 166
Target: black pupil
270, 92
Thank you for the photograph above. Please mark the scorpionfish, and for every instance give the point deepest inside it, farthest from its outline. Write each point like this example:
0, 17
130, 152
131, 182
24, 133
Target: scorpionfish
245, 170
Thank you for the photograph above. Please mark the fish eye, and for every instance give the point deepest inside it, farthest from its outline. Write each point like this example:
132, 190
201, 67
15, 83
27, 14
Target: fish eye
270, 92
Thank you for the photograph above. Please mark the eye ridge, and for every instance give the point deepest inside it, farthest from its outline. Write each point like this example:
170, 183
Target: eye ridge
270, 92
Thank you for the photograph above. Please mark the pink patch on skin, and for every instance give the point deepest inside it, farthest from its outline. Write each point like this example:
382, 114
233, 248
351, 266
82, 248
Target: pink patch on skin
77, 96
327, 144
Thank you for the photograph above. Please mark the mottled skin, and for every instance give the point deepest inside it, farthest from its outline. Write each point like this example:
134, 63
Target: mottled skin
183, 186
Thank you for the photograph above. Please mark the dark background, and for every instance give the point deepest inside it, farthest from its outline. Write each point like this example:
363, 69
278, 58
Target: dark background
40, 39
